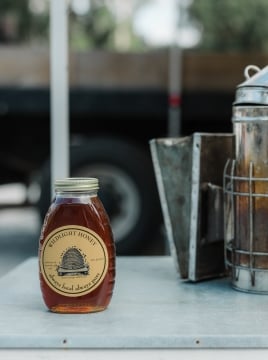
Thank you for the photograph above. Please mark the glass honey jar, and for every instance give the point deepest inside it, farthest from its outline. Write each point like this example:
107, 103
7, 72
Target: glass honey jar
76, 249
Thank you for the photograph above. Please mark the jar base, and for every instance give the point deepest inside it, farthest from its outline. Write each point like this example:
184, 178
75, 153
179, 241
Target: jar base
76, 309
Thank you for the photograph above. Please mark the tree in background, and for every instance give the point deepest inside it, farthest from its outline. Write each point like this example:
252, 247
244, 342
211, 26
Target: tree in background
232, 25
14, 20
23, 21
106, 25
94, 28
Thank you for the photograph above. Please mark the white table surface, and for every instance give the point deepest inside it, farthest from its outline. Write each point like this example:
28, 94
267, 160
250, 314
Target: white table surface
152, 311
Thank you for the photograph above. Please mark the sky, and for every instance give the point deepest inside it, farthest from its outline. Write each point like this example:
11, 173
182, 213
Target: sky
155, 21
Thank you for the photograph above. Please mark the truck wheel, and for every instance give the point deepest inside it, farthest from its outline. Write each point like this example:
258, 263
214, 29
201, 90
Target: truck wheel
127, 189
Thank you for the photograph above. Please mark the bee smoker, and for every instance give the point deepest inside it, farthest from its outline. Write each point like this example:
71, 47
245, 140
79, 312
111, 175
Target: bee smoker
245, 182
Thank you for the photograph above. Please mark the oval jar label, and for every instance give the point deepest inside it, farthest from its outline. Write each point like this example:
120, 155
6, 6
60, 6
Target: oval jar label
73, 260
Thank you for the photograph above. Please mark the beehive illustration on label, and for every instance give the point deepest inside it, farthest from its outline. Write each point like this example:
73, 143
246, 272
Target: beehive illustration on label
73, 263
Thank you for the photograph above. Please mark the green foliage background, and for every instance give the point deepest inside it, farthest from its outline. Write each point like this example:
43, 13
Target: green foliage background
227, 25
232, 25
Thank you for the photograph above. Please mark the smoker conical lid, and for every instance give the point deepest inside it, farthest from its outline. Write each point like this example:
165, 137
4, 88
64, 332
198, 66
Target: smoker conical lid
254, 90
260, 78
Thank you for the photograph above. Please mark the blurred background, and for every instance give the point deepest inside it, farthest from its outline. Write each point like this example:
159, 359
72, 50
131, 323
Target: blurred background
138, 70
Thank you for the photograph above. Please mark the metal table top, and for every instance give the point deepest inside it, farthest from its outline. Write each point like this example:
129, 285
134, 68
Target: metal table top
151, 308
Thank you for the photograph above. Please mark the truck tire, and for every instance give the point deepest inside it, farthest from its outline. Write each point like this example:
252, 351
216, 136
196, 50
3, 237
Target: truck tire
127, 189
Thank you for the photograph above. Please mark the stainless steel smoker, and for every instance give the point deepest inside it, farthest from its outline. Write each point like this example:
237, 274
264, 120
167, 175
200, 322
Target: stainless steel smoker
246, 186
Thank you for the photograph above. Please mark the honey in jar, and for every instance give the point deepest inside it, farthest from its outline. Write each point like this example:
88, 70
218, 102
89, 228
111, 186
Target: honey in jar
76, 250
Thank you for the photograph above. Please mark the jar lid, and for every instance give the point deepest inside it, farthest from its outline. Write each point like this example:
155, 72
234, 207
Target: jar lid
76, 184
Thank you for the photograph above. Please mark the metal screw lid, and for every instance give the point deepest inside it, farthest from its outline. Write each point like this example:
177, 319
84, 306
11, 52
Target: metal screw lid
76, 184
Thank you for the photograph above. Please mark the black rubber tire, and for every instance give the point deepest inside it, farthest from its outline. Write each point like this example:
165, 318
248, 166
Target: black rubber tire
127, 189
